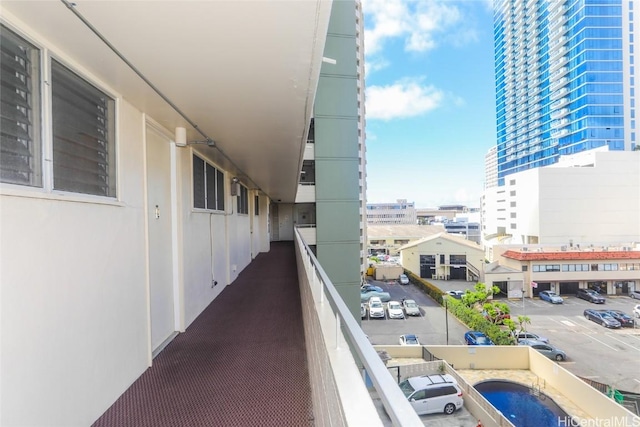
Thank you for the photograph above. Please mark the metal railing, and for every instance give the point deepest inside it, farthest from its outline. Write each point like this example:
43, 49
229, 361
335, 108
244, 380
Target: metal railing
349, 351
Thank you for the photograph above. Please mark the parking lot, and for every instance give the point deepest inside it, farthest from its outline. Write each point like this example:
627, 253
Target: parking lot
610, 356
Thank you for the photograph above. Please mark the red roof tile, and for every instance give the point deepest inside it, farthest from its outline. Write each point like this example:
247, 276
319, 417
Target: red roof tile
571, 255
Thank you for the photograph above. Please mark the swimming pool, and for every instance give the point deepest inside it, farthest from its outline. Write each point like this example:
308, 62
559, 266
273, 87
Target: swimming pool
521, 407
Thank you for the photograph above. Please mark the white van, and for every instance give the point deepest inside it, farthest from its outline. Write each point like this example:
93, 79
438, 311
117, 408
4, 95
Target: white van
431, 394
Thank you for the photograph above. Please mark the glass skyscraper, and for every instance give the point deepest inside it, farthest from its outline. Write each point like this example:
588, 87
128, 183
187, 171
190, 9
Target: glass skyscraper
564, 79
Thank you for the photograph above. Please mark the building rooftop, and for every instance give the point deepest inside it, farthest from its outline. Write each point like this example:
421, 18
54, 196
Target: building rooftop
378, 231
447, 236
571, 255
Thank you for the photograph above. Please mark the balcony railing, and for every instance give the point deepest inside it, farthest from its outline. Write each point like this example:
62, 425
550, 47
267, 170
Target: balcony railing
341, 354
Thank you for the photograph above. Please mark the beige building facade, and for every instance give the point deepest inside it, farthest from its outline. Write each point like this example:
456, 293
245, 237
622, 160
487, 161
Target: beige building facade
445, 257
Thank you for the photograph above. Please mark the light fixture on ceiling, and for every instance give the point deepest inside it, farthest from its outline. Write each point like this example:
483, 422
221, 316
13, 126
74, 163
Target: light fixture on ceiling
181, 139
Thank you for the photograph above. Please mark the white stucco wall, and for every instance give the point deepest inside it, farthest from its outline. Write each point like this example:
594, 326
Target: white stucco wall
74, 295
592, 204
558, 204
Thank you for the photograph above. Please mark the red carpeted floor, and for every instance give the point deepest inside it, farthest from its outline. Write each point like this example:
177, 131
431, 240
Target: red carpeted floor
242, 362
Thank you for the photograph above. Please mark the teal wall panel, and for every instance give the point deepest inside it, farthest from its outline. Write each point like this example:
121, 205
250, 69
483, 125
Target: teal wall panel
336, 97
337, 180
337, 137
338, 222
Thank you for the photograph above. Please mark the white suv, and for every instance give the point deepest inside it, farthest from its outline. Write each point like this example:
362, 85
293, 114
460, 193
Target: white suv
430, 394
376, 309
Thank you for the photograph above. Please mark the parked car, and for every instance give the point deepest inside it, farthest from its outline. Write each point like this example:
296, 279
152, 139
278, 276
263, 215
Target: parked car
591, 296
622, 317
432, 394
404, 280
477, 338
365, 295
363, 310
409, 339
635, 294
548, 350
636, 310
550, 296
601, 317
368, 287
456, 294
531, 336
410, 307
376, 309
394, 310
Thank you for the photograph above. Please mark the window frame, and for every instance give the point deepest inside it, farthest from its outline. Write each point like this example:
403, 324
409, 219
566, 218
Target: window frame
242, 204
36, 105
43, 129
112, 144
219, 181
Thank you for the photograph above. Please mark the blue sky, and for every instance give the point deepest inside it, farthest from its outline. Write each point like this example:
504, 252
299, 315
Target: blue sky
430, 100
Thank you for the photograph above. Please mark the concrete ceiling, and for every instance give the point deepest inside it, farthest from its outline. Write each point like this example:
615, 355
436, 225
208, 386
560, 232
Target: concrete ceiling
244, 72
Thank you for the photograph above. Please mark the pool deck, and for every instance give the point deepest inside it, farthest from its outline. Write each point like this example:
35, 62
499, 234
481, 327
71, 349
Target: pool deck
527, 378
522, 376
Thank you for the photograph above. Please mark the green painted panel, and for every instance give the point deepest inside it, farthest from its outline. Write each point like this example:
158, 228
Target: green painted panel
350, 293
338, 222
341, 262
336, 137
343, 17
336, 97
337, 179
342, 50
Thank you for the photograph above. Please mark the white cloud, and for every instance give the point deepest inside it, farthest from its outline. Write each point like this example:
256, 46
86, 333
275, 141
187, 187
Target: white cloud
401, 99
421, 23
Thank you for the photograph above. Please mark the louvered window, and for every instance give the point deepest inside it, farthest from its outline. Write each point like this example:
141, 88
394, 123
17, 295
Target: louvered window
84, 158
20, 143
208, 186
243, 200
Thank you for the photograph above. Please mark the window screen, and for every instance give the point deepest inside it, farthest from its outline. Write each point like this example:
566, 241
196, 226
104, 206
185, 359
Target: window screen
20, 149
199, 200
83, 135
208, 186
243, 200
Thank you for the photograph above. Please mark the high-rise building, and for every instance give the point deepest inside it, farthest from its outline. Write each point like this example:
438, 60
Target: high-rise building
565, 80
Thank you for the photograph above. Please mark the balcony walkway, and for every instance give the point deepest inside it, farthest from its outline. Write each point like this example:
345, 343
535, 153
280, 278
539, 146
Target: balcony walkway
242, 362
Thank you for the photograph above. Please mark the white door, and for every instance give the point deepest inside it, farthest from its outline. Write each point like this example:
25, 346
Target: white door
285, 222
161, 284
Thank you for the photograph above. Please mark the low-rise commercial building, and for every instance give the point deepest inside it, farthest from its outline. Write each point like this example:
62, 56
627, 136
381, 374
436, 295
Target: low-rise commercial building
443, 256
611, 270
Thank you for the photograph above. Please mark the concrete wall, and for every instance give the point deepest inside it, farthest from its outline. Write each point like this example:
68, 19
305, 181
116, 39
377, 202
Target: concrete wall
593, 201
502, 358
590, 400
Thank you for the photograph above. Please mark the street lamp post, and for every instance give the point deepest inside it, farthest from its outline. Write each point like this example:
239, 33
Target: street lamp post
446, 317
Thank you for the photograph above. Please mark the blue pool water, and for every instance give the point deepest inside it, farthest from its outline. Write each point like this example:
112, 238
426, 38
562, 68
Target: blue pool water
521, 407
